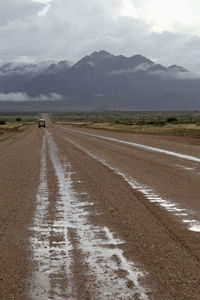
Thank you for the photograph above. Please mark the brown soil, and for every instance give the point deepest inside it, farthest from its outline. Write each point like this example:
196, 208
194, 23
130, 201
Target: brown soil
20, 167
154, 239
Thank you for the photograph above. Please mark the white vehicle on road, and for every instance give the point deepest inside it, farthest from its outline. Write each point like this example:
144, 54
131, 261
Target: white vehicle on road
41, 123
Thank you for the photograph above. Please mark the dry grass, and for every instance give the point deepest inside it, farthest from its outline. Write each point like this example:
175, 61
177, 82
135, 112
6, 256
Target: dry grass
9, 129
168, 129
15, 123
11, 125
171, 129
79, 124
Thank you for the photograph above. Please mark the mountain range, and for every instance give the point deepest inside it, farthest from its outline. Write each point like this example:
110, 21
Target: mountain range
100, 81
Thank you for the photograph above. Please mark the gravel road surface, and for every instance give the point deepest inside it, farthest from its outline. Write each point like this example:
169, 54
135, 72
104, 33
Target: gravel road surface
94, 214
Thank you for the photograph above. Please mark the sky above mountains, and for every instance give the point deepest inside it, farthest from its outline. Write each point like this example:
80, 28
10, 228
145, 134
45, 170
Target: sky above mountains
165, 31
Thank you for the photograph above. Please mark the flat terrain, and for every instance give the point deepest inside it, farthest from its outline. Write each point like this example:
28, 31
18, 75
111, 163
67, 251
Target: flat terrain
95, 214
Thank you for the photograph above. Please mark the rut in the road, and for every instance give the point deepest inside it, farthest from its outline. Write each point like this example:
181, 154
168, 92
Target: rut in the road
107, 273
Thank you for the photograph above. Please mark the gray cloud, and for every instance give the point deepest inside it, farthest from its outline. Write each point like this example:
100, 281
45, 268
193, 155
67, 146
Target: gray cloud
72, 29
23, 10
23, 69
141, 67
164, 74
22, 97
176, 75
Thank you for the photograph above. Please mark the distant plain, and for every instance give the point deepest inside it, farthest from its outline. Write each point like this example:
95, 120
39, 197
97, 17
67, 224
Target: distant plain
185, 123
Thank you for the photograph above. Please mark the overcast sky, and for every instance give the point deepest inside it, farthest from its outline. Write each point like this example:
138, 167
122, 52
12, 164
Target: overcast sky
167, 31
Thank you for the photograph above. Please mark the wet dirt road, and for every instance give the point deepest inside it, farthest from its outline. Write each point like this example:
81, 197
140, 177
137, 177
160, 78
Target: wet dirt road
91, 214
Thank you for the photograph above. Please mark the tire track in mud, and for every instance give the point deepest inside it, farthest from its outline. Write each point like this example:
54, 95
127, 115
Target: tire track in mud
86, 254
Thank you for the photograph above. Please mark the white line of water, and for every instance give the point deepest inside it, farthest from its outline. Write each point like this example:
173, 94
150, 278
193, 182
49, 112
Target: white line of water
185, 167
149, 193
62, 251
39, 243
50, 251
140, 146
98, 245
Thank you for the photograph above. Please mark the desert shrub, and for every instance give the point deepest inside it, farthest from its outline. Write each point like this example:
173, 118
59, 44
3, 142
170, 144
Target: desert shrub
2, 122
126, 122
159, 123
18, 119
140, 123
172, 120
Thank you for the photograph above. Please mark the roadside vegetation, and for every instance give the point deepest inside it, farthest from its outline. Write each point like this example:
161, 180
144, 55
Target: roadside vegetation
13, 123
168, 123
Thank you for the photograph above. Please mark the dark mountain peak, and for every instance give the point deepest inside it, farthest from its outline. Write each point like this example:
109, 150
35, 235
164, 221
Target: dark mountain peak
175, 68
157, 67
55, 68
63, 64
85, 61
93, 58
101, 54
107, 62
102, 81
139, 59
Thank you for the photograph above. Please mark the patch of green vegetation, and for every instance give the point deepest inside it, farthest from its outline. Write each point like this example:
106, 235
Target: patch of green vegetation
173, 123
13, 123
19, 117
129, 118
183, 130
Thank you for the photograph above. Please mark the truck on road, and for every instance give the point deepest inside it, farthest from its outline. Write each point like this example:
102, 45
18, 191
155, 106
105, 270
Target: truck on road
41, 123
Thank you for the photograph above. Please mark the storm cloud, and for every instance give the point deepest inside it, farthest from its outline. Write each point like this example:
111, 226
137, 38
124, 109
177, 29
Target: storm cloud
60, 29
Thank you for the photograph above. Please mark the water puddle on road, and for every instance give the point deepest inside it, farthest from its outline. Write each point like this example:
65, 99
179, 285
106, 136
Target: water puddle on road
192, 169
136, 145
50, 247
149, 193
38, 243
107, 274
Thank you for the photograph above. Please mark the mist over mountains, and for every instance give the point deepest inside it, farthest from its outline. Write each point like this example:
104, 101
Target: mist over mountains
100, 81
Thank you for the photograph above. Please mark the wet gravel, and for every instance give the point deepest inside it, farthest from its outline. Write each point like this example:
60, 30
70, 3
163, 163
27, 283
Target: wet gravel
154, 237
19, 171
74, 226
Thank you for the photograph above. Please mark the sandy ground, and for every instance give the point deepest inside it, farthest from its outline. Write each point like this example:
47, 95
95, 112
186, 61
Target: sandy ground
93, 214
19, 171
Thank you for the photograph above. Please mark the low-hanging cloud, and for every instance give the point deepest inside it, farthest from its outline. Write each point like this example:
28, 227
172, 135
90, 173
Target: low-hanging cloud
142, 67
23, 97
174, 72
176, 75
